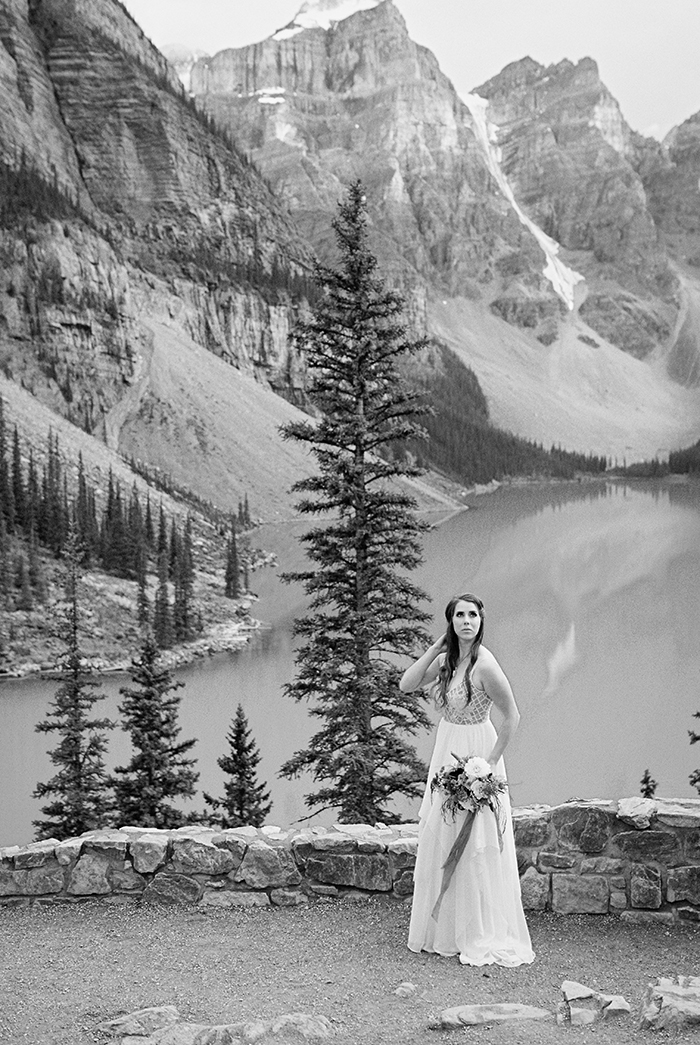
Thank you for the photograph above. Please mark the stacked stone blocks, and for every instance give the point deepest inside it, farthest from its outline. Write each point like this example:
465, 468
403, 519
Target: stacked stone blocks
637, 859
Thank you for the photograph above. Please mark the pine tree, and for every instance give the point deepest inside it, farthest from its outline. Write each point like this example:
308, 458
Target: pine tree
245, 802
18, 488
81, 799
5, 565
7, 500
158, 771
232, 582
362, 608
143, 606
162, 613
183, 586
647, 785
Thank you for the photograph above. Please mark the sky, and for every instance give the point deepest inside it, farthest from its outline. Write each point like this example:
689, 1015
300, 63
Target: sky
648, 51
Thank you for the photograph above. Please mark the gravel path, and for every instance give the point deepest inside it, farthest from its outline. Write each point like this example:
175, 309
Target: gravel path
65, 968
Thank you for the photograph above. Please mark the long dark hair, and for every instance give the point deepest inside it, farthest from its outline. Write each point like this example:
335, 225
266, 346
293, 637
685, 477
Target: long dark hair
449, 665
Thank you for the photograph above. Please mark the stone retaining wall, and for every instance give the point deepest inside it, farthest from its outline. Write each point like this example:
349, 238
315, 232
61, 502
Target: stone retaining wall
636, 858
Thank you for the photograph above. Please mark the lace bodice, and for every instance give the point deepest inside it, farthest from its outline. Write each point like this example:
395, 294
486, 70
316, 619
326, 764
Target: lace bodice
459, 712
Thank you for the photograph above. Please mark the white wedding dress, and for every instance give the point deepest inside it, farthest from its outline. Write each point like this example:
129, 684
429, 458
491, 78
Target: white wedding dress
481, 915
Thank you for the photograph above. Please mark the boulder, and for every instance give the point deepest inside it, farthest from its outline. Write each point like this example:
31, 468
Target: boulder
574, 894
265, 866
363, 871
601, 865
532, 828
149, 852
498, 1012
554, 862
40, 881
90, 876
199, 856
126, 880
645, 886
651, 845
582, 1005
8, 884
671, 1004
68, 851
403, 884
684, 884
172, 889
534, 889
36, 854
582, 827
638, 812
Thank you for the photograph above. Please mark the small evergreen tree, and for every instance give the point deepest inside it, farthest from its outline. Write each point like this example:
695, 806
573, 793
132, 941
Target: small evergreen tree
363, 609
159, 770
245, 801
80, 789
647, 785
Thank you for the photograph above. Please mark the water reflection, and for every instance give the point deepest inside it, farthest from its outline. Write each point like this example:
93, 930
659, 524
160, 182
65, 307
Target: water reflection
593, 607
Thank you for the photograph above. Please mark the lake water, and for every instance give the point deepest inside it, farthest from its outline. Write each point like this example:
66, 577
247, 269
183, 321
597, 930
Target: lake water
592, 596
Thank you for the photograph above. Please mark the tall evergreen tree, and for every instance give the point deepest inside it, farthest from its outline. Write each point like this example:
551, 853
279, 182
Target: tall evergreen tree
5, 565
363, 609
183, 586
7, 500
79, 790
162, 612
159, 770
18, 488
232, 580
245, 802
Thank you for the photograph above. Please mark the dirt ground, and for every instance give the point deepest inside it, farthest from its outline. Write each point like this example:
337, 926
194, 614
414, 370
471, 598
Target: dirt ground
64, 968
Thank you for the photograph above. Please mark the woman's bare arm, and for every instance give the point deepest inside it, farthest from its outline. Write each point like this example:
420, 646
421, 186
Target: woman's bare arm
494, 680
425, 669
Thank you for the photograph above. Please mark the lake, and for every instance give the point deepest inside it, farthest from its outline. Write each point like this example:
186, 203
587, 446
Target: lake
592, 595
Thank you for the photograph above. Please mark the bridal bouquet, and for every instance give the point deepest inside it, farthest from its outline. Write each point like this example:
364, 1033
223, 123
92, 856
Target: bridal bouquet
467, 785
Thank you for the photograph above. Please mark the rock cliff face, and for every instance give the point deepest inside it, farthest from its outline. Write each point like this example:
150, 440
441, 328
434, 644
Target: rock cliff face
569, 156
149, 211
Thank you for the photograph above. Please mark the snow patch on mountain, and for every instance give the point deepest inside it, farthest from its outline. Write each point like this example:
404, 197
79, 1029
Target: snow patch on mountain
563, 279
322, 14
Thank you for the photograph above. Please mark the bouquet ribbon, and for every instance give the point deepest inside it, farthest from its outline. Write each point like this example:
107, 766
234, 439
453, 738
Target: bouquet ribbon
458, 847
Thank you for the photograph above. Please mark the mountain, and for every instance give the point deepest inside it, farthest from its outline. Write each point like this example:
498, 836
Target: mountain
517, 220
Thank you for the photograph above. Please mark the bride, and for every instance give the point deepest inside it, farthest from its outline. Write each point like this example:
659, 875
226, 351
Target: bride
481, 916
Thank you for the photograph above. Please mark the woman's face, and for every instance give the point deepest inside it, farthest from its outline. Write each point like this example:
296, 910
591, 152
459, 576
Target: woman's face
466, 620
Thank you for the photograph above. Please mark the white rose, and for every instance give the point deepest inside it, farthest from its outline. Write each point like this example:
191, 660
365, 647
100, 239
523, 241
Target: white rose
477, 767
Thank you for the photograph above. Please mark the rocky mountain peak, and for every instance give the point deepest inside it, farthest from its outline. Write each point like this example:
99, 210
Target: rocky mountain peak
364, 47
322, 14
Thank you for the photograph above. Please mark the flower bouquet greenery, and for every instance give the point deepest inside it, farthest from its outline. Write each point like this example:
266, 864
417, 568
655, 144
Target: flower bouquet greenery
468, 785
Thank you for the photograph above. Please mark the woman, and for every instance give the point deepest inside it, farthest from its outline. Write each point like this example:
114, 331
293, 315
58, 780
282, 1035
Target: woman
480, 917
